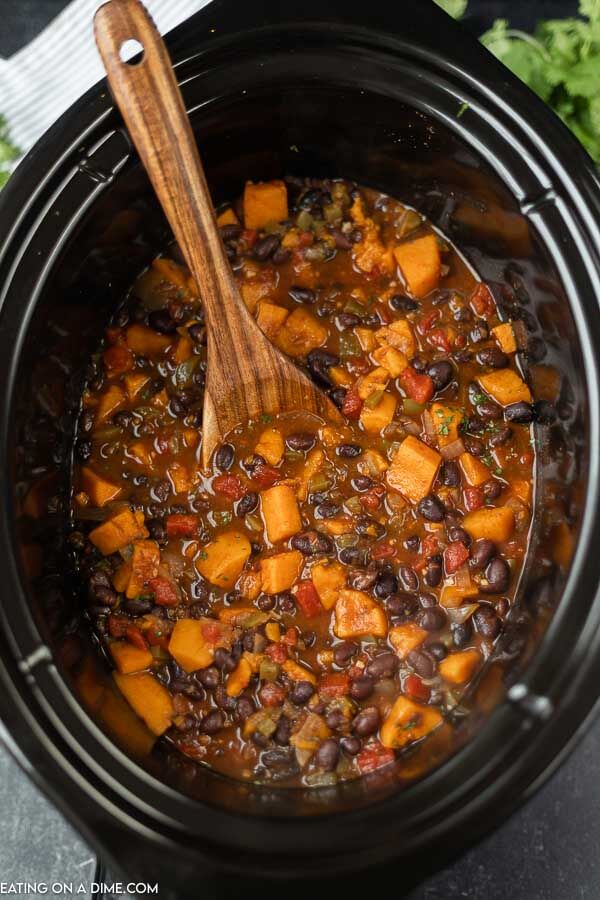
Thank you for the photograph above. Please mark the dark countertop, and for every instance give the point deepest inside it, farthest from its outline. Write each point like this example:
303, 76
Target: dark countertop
549, 850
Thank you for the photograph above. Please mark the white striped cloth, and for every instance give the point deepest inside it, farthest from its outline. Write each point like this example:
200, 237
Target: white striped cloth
43, 79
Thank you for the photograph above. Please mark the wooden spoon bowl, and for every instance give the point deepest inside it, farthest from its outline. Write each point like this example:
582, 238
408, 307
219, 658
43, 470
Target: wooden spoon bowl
247, 376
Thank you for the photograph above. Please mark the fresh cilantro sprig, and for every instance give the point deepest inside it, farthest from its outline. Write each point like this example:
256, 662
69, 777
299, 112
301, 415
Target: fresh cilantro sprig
8, 152
454, 8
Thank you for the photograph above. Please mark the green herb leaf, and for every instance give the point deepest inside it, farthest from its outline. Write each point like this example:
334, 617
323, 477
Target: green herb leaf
454, 8
8, 152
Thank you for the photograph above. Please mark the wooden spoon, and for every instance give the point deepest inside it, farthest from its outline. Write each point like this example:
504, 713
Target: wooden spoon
247, 376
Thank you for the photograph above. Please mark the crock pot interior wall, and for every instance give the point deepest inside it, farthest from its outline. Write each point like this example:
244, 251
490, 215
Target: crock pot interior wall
296, 129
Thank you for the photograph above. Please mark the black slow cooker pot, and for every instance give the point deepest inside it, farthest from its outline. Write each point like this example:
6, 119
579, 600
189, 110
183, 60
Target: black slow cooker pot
399, 97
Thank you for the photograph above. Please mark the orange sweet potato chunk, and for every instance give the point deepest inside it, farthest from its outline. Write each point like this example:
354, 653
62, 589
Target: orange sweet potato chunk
494, 524
264, 203
505, 336
270, 318
458, 668
280, 512
121, 529
407, 722
99, 489
145, 341
358, 615
227, 217
280, 571
420, 263
407, 637
373, 420
300, 333
129, 658
413, 469
222, 560
239, 679
148, 698
270, 445
329, 578
474, 471
194, 641
505, 386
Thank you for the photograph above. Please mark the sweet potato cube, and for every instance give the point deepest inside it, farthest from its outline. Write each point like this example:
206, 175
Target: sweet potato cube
121, 529
146, 342
129, 658
222, 560
493, 523
270, 446
358, 615
313, 463
521, 488
181, 478
373, 420
184, 348
250, 584
194, 641
455, 595
505, 336
141, 453
280, 512
338, 525
413, 469
375, 380
280, 571
407, 722
108, 403
300, 333
239, 679
395, 361
458, 668
297, 672
366, 338
446, 421
265, 203
405, 638
124, 726
398, 335
474, 471
420, 263
99, 489
562, 544
227, 217
253, 292
121, 577
171, 271
270, 318
505, 386
329, 578
340, 376
148, 698
144, 562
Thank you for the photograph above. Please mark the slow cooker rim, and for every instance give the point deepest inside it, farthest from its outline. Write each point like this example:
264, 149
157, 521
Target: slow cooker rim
85, 104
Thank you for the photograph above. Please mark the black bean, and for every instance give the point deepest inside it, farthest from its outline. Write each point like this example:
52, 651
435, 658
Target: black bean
197, 332
385, 585
362, 483
437, 650
160, 320
431, 508
499, 437
456, 533
246, 504
544, 412
401, 606
286, 602
265, 247
412, 543
462, 314
433, 571
482, 552
301, 692
343, 653
158, 531
363, 579
347, 320
423, 664
493, 357
311, 543
409, 578
98, 582
283, 732
497, 575
123, 419
426, 600
209, 677
341, 241
441, 373
327, 510
136, 607
327, 755
403, 303
492, 489
361, 688
212, 722
338, 396
383, 666
522, 413
266, 602
244, 708
335, 720
480, 332
419, 363
489, 410
487, 622
302, 295
224, 457
474, 446
450, 473
349, 451
432, 619
366, 722
369, 526
300, 440
319, 361
224, 660
462, 634
350, 745
309, 638
177, 407
354, 556
223, 699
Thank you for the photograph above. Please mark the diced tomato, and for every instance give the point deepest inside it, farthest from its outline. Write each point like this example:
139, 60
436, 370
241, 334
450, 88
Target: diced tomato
358, 365
265, 475
439, 338
429, 544
414, 687
384, 314
429, 320
164, 592
229, 486
383, 551
249, 236
354, 672
118, 359
290, 637
277, 652
418, 387
474, 498
157, 637
374, 756
308, 599
113, 335
118, 625
374, 273
371, 499
271, 694
182, 525
482, 301
334, 684
135, 637
455, 555
460, 341
305, 239
352, 405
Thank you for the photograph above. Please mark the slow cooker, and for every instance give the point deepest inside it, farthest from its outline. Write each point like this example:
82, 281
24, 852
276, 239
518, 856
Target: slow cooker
400, 98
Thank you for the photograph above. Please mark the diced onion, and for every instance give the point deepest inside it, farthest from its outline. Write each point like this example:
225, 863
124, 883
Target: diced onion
460, 614
462, 578
451, 451
428, 425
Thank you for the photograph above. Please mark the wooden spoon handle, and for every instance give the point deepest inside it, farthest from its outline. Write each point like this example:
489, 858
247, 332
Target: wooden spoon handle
150, 101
